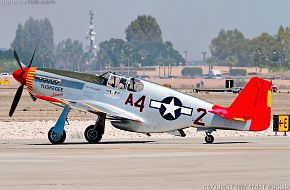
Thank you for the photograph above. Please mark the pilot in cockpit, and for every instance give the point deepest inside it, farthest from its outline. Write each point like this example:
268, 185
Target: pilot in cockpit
122, 83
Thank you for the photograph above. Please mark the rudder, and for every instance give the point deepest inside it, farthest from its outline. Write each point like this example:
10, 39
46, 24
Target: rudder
254, 102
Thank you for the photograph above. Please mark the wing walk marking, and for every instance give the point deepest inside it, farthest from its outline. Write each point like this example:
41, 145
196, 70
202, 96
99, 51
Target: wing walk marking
98, 110
92, 107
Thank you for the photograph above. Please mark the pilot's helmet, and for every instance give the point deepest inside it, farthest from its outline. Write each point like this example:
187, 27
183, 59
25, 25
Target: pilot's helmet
123, 81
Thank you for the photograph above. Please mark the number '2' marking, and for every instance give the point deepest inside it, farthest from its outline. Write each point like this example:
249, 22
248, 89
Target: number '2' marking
198, 120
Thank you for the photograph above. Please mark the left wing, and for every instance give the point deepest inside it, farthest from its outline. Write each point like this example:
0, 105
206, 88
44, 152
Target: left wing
95, 107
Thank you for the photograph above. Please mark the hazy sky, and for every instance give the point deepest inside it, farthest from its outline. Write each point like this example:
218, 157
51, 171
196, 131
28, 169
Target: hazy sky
189, 24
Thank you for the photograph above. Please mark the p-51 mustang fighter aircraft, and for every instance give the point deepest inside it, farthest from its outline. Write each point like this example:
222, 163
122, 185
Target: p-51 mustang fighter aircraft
136, 105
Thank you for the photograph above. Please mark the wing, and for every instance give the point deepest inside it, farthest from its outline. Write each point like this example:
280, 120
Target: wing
114, 112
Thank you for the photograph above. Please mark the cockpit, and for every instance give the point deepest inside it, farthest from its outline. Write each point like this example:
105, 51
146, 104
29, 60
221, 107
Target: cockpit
112, 80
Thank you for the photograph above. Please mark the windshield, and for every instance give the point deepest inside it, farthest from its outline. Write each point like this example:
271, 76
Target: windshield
121, 82
105, 77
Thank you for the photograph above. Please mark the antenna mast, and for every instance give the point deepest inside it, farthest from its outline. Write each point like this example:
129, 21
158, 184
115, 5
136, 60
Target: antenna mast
91, 37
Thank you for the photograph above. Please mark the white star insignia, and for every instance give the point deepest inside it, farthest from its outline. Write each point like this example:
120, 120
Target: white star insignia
170, 108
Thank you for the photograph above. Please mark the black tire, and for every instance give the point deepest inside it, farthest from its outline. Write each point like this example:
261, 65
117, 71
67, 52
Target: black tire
55, 138
209, 139
92, 134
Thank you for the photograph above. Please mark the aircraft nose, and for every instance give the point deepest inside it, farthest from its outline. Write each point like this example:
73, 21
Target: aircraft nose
20, 75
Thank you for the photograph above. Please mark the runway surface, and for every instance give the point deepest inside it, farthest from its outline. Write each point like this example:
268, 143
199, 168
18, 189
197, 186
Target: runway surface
185, 163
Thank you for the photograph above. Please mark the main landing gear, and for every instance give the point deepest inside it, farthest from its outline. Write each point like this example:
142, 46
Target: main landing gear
57, 135
94, 133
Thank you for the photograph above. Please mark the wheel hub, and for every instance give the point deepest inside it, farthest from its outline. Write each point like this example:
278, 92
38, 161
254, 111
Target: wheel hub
92, 134
55, 136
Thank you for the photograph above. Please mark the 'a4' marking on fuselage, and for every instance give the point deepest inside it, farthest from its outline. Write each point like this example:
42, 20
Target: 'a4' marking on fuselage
139, 103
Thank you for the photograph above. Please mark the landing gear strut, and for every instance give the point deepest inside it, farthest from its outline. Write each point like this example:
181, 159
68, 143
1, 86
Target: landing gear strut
57, 135
209, 138
94, 133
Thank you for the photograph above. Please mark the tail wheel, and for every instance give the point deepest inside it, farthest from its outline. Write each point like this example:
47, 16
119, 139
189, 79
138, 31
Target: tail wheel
56, 138
92, 134
209, 139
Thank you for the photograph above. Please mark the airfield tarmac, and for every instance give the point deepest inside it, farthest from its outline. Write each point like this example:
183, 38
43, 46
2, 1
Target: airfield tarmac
185, 163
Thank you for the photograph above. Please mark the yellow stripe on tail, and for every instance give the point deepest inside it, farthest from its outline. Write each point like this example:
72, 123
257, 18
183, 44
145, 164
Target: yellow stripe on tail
269, 98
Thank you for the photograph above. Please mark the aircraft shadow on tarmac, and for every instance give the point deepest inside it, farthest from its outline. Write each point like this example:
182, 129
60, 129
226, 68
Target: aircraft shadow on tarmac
107, 142
235, 142
133, 142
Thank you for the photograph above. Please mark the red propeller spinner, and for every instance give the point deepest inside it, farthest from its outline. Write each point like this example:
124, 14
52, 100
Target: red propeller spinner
20, 75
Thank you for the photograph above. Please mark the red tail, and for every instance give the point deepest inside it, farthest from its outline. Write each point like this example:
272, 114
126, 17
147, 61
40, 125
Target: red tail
253, 103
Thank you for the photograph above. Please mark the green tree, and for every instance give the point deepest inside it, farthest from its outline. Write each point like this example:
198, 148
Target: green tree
27, 37
143, 29
112, 52
154, 51
281, 55
230, 48
144, 47
264, 47
174, 57
116, 52
7, 61
69, 55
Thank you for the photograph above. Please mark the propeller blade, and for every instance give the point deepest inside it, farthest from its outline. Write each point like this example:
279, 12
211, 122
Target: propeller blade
16, 100
18, 61
32, 97
33, 54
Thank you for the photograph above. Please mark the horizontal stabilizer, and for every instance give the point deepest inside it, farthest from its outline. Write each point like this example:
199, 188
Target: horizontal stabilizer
227, 115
